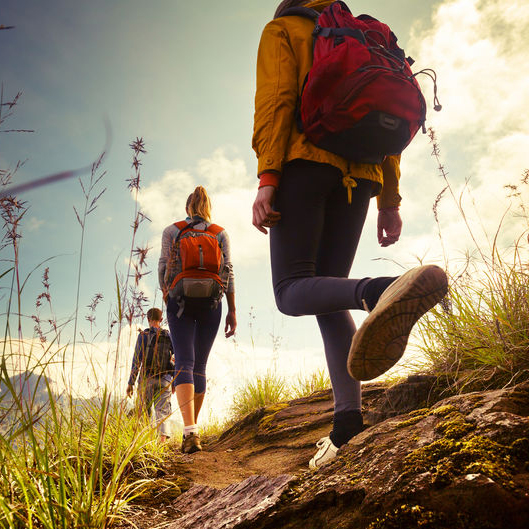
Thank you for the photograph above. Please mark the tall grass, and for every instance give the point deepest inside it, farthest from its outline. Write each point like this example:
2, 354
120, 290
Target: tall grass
91, 196
264, 390
65, 462
305, 385
271, 388
70, 471
478, 338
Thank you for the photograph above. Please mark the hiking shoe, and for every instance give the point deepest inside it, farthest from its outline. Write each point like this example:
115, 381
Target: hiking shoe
380, 341
191, 444
326, 452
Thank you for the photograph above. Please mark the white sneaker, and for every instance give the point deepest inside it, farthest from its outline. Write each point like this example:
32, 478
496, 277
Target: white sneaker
326, 452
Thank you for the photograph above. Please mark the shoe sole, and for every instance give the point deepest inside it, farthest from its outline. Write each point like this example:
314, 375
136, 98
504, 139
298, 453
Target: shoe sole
381, 340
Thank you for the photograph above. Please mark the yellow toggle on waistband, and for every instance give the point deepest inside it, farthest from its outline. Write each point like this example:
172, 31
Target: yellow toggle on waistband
349, 183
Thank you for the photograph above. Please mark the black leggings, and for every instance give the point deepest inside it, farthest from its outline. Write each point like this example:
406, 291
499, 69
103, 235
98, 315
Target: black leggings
192, 336
312, 249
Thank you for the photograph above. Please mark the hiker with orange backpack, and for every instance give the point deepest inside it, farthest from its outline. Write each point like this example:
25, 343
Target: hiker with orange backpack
335, 105
153, 362
194, 272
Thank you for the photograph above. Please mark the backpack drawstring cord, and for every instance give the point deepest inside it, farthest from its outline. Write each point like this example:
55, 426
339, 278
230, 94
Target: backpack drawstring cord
433, 76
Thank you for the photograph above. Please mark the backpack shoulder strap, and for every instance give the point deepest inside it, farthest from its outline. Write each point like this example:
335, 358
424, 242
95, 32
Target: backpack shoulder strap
183, 226
150, 335
215, 229
299, 11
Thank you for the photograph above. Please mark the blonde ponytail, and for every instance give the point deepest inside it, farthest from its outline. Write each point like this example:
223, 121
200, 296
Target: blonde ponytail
199, 204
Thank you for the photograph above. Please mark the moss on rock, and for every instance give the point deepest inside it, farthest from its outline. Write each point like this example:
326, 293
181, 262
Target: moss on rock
455, 427
409, 422
411, 517
270, 415
418, 517
448, 457
442, 411
422, 412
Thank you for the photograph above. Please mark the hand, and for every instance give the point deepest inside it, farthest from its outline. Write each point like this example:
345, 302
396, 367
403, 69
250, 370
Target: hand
263, 213
130, 390
389, 221
231, 324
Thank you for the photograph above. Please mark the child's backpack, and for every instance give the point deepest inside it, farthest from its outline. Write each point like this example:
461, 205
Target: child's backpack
193, 272
158, 353
360, 98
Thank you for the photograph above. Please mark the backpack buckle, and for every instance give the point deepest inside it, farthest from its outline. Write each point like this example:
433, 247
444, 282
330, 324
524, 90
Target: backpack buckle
317, 30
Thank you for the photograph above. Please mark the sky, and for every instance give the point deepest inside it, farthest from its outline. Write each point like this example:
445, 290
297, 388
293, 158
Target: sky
181, 75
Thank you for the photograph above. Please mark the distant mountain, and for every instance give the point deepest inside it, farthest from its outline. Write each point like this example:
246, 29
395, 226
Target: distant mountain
27, 386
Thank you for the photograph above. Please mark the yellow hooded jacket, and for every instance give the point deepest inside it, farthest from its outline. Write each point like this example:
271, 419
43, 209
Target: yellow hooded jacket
283, 61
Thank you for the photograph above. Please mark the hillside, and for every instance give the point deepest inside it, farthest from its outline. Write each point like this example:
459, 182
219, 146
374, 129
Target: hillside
462, 462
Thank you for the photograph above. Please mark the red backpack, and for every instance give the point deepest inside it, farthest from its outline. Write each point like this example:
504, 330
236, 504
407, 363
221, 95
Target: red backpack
193, 272
360, 98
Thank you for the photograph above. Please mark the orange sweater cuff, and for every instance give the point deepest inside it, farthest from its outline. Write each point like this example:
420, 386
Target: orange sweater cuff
269, 179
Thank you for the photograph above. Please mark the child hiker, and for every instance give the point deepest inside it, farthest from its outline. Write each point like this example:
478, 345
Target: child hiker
152, 361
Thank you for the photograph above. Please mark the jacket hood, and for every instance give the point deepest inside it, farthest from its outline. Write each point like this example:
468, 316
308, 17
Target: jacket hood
319, 5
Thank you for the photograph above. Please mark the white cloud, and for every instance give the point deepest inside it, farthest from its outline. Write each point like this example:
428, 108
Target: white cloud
476, 49
480, 60
163, 201
34, 224
221, 173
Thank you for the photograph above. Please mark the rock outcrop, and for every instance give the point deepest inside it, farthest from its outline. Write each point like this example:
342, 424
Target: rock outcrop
462, 462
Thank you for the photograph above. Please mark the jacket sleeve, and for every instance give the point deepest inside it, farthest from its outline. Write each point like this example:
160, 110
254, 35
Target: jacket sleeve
227, 277
389, 196
275, 98
164, 255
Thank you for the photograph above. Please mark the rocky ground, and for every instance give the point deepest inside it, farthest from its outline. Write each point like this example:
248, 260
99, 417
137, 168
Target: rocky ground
460, 462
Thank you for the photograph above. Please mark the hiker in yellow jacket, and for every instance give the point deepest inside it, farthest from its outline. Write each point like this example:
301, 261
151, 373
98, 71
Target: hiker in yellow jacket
315, 204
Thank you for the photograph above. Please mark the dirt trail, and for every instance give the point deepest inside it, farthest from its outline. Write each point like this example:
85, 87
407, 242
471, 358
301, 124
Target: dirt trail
213, 467
278, 440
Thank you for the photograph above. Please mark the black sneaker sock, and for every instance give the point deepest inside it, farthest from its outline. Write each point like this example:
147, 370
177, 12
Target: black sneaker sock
346, 424
374, 289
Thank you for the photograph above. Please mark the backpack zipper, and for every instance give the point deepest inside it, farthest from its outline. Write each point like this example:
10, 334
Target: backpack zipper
201, 258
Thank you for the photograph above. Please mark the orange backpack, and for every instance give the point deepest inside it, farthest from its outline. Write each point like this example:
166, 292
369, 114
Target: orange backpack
195, 264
